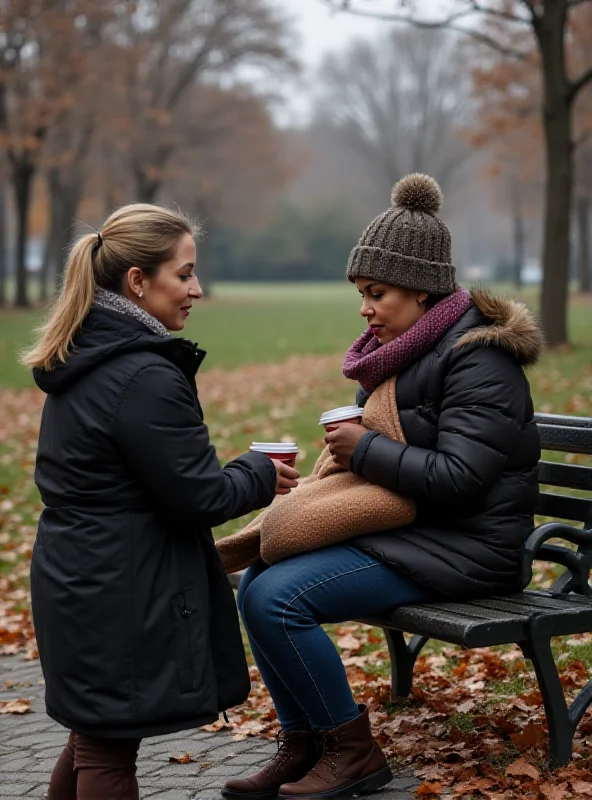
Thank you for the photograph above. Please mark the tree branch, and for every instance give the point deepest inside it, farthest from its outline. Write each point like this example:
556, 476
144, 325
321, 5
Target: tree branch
448, 23
477, 8
581, 140
579, 83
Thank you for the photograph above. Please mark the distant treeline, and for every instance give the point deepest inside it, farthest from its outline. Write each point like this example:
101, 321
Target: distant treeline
299, 244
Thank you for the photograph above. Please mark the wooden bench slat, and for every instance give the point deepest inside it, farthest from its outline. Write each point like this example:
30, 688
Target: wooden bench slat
525, 603
564, 506
573, 599
563, 420
568, 476
566, 440
472, 612
455, 628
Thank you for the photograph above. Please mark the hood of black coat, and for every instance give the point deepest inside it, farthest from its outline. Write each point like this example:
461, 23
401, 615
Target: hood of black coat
509, 324
107, 334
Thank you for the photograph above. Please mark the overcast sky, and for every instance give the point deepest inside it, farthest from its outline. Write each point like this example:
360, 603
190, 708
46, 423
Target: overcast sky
322, 31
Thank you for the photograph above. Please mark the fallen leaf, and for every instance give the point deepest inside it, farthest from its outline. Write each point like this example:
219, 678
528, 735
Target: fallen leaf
349, 642
547, 791
521, 767
429, 788
15, 707
214, 727
582, 788
184, 759
531, 736
355, 661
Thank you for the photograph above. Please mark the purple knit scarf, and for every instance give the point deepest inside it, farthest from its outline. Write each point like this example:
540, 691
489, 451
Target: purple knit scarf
371, 363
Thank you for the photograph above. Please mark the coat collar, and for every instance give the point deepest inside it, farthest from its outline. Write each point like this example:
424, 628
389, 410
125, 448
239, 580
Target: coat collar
509, 324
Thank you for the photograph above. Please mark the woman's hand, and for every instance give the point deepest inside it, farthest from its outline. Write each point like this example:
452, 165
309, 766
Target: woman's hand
343, 441
287, 477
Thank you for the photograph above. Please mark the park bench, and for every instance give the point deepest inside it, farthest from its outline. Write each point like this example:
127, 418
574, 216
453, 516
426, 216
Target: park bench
530, 618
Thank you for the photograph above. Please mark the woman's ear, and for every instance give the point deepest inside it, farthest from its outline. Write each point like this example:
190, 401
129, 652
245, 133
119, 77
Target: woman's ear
135, 281
421, 298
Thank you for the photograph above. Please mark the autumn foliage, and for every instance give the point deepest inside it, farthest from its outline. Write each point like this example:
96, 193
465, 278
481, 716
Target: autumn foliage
104, 102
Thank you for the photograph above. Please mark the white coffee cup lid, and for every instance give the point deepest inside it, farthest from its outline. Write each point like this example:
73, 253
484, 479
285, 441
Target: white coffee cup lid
340, 414
274, 447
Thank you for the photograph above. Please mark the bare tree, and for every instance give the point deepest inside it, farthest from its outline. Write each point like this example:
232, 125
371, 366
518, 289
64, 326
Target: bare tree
400, 103
66, 175
520, 20
43, 51
234, 164
583, 211
3, 245
175, 44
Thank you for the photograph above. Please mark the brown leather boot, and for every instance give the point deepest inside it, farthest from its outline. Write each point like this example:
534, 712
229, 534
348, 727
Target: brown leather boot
352, 763
297, 752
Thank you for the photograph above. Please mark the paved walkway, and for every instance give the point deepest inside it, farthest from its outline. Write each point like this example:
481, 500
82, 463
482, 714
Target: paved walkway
30, 744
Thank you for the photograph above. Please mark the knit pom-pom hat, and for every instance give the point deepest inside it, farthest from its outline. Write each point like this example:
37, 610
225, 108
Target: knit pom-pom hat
408, 245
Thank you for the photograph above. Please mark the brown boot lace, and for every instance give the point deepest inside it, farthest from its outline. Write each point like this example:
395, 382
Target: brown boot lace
330, 755
284, 753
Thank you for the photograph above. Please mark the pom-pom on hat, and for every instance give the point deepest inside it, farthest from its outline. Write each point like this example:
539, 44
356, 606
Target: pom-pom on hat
408, 245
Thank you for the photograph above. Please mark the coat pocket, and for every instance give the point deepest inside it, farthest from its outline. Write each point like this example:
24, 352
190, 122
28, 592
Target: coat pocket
190, 620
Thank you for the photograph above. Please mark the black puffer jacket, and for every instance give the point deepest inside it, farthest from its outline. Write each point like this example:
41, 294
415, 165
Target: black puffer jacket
471, 456
135, 619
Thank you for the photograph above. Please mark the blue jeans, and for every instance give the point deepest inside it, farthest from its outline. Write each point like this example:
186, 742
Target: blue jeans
283, 607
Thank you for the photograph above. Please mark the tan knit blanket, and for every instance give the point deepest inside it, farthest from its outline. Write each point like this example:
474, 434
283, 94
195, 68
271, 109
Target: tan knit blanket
327, 507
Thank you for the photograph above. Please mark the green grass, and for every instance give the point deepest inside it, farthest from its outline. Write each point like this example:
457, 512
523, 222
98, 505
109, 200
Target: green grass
511, 688
464, 722
241, 324
266, 323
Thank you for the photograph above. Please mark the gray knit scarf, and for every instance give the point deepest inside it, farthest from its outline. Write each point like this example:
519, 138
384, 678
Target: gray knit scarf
117, 302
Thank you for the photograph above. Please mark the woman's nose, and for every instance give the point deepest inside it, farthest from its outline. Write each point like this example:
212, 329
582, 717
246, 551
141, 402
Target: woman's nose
195, 289
365, 311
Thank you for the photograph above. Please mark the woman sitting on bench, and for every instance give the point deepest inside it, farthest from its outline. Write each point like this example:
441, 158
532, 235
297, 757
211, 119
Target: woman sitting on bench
469, 463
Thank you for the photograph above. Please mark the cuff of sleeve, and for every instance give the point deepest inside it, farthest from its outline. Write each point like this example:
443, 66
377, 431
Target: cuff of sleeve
383, 461
264, 467
356, 463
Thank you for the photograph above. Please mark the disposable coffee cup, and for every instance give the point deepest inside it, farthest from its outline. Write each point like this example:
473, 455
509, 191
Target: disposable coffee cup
280, 451
333, 418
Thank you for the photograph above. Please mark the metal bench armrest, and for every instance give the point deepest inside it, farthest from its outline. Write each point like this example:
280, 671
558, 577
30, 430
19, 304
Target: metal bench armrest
578, 562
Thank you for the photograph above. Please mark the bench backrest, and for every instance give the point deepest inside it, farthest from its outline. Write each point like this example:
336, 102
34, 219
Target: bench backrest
567, 435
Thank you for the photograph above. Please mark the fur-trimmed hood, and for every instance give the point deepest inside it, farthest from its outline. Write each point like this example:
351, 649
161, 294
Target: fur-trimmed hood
514, 327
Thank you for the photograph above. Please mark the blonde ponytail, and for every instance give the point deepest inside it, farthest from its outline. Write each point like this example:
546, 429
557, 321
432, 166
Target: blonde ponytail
137, 235
68, 310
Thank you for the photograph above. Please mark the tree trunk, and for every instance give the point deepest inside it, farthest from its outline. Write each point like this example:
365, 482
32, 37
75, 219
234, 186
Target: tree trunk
556, 252
204, 263
22, 182
203, 267
3, 247
68, 199
584, 263
559, 158
49, 265
60, 250
518, 235
147, 189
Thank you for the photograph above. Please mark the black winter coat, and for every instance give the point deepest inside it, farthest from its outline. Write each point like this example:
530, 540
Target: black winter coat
135, 619
471, 456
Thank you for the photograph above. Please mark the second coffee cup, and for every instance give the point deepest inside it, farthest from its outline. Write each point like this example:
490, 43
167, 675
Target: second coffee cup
333, 418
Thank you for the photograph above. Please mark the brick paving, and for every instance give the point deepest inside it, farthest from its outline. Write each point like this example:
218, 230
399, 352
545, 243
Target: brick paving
30, 744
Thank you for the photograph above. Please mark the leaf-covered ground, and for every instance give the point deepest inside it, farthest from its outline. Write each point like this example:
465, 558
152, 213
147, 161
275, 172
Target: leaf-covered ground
474, 725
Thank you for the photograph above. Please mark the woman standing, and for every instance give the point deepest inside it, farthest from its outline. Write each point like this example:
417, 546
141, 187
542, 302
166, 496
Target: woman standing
469, 462
135, 619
